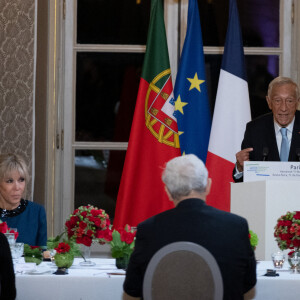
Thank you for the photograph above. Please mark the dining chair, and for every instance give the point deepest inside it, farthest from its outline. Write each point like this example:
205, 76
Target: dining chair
183, 270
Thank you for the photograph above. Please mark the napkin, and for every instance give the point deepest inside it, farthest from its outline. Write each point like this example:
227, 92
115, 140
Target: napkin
25, 267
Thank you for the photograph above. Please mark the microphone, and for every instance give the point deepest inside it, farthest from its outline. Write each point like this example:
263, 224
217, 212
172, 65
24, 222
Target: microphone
266, 152
298, 153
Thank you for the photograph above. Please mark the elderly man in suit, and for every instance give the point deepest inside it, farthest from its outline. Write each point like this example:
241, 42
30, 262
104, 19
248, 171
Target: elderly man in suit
274, 136
224, 235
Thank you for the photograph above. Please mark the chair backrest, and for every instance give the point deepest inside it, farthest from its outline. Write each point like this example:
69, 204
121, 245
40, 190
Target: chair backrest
183, 270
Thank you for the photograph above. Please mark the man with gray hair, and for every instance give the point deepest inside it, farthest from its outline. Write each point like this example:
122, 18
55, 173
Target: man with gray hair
274, 136
224, 235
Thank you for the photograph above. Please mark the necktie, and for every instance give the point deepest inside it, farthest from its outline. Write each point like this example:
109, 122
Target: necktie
284, 150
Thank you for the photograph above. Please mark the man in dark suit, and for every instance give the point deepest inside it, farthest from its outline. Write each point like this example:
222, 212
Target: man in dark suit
224, 235
263, 137
7, 275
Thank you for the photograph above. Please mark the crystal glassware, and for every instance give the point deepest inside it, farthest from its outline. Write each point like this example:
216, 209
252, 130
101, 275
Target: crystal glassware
17, 250
10, 238
278, 259
294, 261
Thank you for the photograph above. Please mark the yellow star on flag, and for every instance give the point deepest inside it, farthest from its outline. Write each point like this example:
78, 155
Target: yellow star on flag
179, 105
180, 132
195, 82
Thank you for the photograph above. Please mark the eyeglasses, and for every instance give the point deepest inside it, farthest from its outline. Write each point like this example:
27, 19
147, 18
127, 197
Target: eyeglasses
287, 102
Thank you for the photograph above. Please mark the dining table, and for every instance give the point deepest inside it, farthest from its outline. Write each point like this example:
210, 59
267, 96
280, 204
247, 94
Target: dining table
104, 281
101, 281
284, 284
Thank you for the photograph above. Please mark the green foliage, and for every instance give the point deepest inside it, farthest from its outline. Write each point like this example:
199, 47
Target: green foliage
64, 260
253, 239
33, 254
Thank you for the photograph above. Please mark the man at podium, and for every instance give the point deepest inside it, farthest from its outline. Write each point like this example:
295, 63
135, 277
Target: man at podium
274, 136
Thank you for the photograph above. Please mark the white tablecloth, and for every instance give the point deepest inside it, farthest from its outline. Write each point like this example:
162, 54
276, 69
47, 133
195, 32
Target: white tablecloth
99, 282
285, 286
82, 283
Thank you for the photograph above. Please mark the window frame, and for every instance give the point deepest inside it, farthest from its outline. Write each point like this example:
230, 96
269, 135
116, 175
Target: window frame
61, 88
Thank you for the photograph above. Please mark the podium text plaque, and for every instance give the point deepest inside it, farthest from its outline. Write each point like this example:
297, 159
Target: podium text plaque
271, 170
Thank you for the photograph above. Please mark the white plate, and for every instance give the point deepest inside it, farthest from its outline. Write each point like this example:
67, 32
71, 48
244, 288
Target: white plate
39, 271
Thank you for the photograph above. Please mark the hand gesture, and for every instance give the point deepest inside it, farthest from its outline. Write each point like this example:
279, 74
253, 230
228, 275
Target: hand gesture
242, 156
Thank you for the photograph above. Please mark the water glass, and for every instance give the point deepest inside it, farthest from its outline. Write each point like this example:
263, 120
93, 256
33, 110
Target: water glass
294, 261
10, 238
17, 251
278, 259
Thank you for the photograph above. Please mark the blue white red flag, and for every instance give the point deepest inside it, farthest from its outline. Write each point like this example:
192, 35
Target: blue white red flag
231, 113
192, 107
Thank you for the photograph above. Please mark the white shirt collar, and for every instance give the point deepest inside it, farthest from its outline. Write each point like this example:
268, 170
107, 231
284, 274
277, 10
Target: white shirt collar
289, 127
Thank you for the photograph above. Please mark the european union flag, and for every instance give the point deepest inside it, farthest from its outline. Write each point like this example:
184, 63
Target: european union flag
192, 107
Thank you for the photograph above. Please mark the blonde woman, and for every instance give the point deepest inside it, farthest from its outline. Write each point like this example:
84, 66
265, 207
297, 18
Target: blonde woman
28, 217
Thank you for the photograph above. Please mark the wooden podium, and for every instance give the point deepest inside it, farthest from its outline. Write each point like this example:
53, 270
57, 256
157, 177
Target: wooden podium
262, 203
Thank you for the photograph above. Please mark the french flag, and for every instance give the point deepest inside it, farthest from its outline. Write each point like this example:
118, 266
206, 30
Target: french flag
231, 114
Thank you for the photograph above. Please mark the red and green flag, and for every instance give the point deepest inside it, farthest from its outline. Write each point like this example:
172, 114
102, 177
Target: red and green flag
154, 135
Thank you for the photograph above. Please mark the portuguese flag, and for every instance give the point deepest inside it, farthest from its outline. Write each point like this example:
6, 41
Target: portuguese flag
154, 135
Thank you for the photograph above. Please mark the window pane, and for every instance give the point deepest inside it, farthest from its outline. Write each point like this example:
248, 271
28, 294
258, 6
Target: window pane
106, 91
260, 71
259, 21
112, 21
97, 178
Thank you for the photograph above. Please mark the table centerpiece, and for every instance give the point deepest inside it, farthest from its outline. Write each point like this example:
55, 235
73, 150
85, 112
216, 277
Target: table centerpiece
84, 226
63, 251
287, 235
121, 243
33, 254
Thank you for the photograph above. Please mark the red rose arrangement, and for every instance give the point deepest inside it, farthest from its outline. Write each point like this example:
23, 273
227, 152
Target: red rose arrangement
5, 229
121, 241
287, 231
86, 223
65, 252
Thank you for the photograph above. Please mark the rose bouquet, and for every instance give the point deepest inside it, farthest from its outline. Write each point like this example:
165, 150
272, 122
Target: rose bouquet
287, 231
5, 229
121, 241
86, 223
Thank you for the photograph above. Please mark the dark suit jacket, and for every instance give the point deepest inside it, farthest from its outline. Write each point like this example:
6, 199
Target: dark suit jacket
7, 275
225, 235
260, 133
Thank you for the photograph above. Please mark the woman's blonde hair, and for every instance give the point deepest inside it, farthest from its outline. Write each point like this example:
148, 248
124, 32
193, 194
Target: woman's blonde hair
10, 163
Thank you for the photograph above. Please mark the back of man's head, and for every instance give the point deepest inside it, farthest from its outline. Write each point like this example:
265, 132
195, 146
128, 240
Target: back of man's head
185, 174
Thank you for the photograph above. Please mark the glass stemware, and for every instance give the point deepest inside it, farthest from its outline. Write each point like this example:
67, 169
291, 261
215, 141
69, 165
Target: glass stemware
17, 250
295, 261
10, 238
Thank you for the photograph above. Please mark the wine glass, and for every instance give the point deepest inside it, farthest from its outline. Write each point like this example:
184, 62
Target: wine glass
10, 238
17, 250
295, 261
